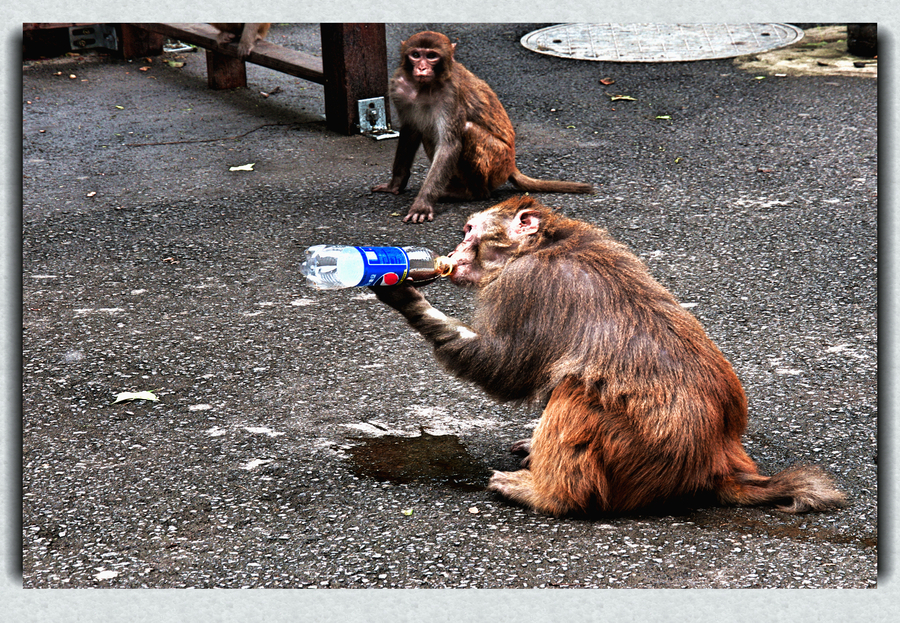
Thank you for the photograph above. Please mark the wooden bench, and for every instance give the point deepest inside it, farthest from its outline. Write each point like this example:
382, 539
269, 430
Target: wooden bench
353, 64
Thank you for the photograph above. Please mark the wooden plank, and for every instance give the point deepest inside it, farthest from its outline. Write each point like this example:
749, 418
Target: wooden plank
287, 61
201, 35
355, 62
46, 26
265, 53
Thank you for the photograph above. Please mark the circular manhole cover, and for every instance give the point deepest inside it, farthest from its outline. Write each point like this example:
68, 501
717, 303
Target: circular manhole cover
659, 43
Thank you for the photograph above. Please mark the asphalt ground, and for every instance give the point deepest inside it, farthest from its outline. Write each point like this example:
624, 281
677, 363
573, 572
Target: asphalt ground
296, 436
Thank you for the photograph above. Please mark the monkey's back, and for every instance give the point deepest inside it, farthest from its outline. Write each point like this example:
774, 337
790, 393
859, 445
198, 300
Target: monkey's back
630, 376
584, 307
482, 106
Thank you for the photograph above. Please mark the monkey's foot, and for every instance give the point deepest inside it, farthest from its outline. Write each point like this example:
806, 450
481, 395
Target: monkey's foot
386, 188
419, 213
523, 446
515, 486
508, 484
519, 487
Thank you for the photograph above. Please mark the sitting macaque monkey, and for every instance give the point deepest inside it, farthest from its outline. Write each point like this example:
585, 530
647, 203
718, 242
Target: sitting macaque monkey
462, 125
249, 34
642, 409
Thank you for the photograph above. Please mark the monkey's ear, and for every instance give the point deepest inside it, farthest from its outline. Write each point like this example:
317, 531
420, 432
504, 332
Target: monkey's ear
452, 49
527, 222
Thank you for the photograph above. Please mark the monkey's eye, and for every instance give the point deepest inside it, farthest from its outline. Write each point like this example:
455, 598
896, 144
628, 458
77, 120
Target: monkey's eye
432, 56
414, 55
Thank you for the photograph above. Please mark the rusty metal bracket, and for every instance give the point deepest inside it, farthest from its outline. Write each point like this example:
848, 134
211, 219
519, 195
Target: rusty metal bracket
93, 36
373, 119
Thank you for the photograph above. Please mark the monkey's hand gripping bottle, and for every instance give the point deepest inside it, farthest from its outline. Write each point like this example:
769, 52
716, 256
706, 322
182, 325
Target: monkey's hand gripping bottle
330, 267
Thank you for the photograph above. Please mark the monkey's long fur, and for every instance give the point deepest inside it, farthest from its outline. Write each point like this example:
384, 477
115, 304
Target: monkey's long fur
641, 407
461, 124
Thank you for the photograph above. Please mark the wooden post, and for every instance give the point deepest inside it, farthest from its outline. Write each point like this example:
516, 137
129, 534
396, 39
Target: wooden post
354, 59
134, 41
225, 72
353, 64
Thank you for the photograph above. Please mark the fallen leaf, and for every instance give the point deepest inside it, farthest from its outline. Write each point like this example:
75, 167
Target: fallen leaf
143, 69
123, 396
407, 511
120, 107
106, 574
92, 193
607, 81
663, 117
615, 98
243, 167
175, 64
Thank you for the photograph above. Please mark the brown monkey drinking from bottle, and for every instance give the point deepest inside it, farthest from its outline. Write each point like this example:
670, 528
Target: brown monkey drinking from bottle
462, 125
641, 407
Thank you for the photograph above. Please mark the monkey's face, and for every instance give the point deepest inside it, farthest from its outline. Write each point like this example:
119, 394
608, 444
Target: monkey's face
478, 251
490, 240
425, 64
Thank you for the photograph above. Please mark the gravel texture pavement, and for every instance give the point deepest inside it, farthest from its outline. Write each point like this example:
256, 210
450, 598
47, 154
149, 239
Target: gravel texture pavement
307, 439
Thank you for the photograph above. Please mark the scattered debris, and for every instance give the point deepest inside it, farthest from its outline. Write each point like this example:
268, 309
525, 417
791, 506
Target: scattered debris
823, 51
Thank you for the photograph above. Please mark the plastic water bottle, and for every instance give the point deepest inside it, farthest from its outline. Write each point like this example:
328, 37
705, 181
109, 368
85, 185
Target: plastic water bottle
329, 267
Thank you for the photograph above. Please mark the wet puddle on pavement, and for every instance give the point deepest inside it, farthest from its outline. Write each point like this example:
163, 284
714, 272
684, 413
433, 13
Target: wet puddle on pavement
432, 459
790, 527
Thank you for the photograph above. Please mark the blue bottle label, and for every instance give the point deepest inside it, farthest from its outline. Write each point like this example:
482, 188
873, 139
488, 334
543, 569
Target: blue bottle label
383, 266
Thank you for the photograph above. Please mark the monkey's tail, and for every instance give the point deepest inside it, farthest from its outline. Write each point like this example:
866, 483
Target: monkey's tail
797, 489
529, 184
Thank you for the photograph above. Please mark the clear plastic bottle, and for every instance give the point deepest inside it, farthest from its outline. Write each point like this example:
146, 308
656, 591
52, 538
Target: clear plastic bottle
329, 267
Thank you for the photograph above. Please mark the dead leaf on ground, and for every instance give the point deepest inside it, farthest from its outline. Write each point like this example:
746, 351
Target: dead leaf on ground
127, 396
